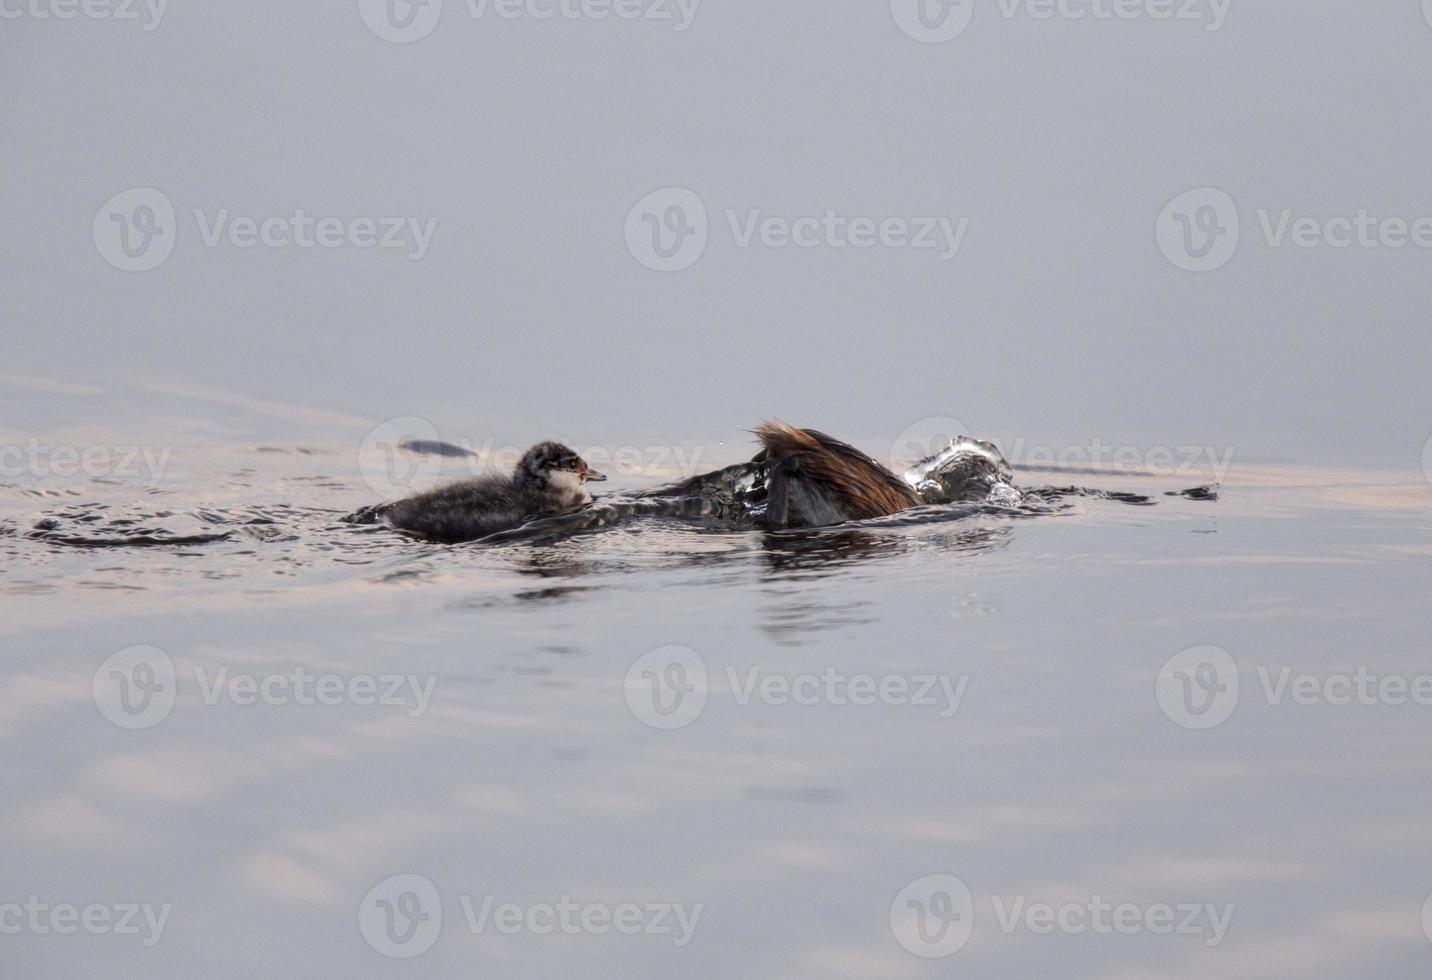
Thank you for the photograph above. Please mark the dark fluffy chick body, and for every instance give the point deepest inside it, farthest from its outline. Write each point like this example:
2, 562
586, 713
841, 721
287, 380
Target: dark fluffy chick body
549, 479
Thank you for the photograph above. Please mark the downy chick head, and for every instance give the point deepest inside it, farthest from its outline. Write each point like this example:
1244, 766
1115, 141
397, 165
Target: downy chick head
551, 468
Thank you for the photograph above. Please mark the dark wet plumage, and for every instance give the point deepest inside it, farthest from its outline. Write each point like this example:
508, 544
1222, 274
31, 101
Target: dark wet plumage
549, 480
816, 480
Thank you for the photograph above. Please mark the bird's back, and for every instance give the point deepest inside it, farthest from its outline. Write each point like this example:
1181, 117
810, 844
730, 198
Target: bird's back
834, 478
466, 510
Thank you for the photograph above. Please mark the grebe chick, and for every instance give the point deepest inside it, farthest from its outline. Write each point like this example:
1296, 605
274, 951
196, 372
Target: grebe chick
550, 479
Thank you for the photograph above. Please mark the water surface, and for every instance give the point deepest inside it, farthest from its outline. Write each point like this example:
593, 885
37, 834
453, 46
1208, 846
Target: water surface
528, 775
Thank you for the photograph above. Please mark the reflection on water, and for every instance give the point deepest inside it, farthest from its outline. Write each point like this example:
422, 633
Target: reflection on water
529, 776
793, 613
814, 553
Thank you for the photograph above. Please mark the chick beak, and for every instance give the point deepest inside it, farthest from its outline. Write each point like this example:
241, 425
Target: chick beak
590, 475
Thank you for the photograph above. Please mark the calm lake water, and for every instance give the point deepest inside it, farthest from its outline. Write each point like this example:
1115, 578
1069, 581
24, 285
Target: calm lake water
969, 747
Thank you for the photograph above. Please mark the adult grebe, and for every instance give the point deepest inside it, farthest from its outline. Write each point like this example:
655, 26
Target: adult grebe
805, 478
816, 480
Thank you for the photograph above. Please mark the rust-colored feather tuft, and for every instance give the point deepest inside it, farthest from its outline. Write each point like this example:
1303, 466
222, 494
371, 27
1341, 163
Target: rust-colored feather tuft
861, 485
